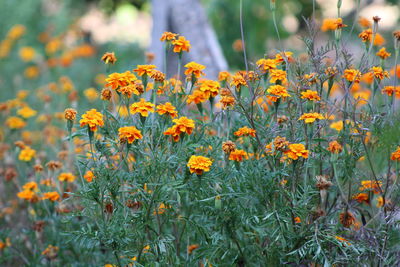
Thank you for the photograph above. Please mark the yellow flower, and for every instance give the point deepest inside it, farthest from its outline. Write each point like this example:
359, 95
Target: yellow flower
223, 76
27, 53
283, 56
66, 177
52, 196
15, 123
265, 65
199, 164
337, 125
91, 94
209, 87
383, 54
238, 155
144, 69
296, 150
379, 73
227, 101
245, 131
142, 107
352, 75
26, 112
129, 133
26, 194
116, 80
16, 32
310, 95
194, 69
180, 45
373, 185
277, 75
277, 91
238, 80
168, 36
32, 186
92, 118
311, 117
31, 72
167, 109
26, 154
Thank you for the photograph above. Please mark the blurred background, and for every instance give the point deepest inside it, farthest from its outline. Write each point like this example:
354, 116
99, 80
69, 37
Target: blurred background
68, 37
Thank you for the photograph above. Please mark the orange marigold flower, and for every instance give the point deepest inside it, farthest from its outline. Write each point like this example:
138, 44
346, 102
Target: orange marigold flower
224, 76
143, 107
157, 76
389, 90
383, 54
182, 125
338, 125
347, 219
32, 186
311, 117
265, 65
115, 80
109, 58
339, 23
296, 150
92, 118
26, 194
194, 69
199, 164
168, 36
180, 45
297, 219
129, 133
27, 154
396, 154
379, 40
209, 87
310, 95
277, 75
335, 147
352, 75
197, 97
238, 155
70, 114
245, 131
15, 123
379, 73
282, 56
50, 252
328, 24
227, 101
371, 185
66, 177
52, 196
278, 91
106, 94
364, 22
366, 35
144, 69
361, 197
89, 176
167, 109
238, 80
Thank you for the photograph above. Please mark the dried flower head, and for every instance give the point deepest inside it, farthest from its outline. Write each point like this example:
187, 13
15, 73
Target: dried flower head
228, 147
109, 58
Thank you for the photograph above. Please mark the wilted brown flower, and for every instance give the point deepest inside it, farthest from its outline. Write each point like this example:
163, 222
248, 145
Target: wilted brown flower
106, 94
347, 219
54, 165
322, 182
228, 147
376, 19
62, 155
38, 168
109, 58
9, 174
20, 144
281, 144
38, 226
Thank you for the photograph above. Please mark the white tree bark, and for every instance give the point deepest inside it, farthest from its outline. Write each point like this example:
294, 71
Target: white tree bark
187, 18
